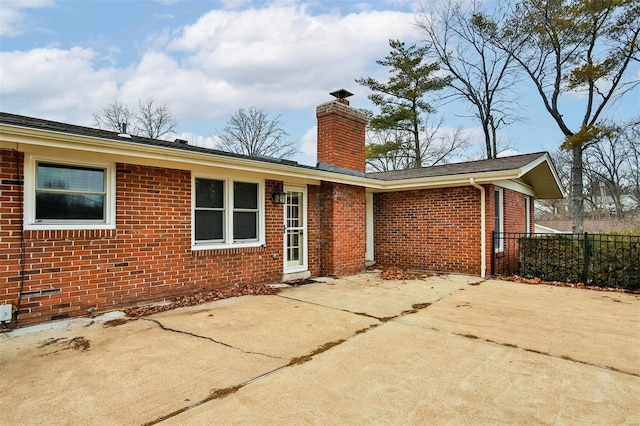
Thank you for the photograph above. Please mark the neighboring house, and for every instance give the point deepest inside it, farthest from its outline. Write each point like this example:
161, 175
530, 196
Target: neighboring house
93, 220
542, 229
589, 225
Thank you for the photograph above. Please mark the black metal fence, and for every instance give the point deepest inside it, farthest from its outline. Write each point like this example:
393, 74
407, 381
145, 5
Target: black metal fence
604, 260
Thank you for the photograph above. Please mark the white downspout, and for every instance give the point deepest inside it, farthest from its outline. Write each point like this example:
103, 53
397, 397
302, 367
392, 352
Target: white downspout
483, 229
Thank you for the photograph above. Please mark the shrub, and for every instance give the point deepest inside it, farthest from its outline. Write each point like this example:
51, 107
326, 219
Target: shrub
611, 260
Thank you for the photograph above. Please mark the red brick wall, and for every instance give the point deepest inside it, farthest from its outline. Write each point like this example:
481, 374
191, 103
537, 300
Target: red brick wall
148, 258
434, 229
514, 221
10, 224
341, 136
342, 229
313, 229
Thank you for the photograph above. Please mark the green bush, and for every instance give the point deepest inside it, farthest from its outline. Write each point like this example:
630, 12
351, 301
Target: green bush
552, 258
615, 260
612, 260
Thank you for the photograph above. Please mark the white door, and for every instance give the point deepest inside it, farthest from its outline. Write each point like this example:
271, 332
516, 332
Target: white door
295, 228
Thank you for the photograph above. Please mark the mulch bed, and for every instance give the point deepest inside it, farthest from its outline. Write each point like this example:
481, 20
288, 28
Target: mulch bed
202, 297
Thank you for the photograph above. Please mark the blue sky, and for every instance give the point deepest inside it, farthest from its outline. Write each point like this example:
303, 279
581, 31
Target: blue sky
65, 60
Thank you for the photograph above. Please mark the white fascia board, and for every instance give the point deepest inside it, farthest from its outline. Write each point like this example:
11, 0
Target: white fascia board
515, 185
448, 181
13, 136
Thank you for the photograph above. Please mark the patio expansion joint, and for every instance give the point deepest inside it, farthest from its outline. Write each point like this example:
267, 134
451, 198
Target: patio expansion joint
362, 314
519, 348
163, 327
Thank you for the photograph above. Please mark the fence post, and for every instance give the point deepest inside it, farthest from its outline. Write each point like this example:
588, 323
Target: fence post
585, 265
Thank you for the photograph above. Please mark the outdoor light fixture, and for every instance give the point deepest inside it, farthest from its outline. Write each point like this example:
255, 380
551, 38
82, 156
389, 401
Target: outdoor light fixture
279, 196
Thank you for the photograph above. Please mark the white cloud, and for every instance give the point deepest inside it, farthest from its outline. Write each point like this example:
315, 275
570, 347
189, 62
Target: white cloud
287, 50
308, 141
13, 17
60, 84
279, 56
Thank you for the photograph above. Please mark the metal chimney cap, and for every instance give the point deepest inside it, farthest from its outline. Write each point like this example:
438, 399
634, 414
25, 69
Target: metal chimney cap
341, 94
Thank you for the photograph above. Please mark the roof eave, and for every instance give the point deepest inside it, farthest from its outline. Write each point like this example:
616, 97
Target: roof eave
11, 135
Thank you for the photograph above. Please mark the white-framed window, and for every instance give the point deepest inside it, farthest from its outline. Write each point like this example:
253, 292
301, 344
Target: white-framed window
227, 212
499, 212
63, 194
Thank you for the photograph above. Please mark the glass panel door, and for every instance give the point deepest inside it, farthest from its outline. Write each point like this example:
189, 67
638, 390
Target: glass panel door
295, 239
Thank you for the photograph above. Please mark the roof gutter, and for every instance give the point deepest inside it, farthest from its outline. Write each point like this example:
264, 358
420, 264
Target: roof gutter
483, 228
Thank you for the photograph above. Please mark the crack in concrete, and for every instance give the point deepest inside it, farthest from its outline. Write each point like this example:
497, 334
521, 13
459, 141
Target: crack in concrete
414, 308
535, 351
214, 394
221, 393
208, 338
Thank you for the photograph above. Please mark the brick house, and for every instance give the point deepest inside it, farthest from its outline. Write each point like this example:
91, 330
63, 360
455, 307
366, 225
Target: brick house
96, 220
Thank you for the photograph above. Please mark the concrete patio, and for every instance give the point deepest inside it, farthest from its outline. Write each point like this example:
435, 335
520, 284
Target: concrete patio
356, 350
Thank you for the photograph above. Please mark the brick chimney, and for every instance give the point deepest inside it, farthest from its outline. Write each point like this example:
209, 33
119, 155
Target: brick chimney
341, 135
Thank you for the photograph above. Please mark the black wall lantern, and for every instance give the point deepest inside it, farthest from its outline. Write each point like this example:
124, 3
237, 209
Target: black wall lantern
279, 196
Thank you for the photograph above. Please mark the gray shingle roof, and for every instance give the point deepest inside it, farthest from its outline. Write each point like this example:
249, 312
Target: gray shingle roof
54, 126
493, 165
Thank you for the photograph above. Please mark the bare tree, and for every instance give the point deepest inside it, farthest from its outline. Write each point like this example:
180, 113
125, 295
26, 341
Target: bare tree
606, 169
461, 37
153, 120
393, 149
149, 120
578, 46
254, 133
631, 137
386, 150
113, 117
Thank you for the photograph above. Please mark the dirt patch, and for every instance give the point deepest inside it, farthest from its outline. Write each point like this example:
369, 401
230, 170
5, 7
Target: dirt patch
393, 273
322, 348
414, 309
221, 393
116, 322
301, 281
78, 343
202, 297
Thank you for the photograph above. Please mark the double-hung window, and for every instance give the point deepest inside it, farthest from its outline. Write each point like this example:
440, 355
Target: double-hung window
227, 212
64, 195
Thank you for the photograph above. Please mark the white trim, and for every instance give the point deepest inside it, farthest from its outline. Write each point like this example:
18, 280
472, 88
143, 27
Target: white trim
30, 179
228, 213
515, 186
498, 194
13, 137
305, 240
369, 254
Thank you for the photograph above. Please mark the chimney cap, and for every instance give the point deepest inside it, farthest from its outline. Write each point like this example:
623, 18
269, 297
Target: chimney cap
341, 94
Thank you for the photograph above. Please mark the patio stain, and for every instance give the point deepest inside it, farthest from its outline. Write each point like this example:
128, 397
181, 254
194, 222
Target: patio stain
78, 343
116, 322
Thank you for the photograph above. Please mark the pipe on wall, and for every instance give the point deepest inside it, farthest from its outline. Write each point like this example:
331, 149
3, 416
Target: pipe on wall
483, 228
